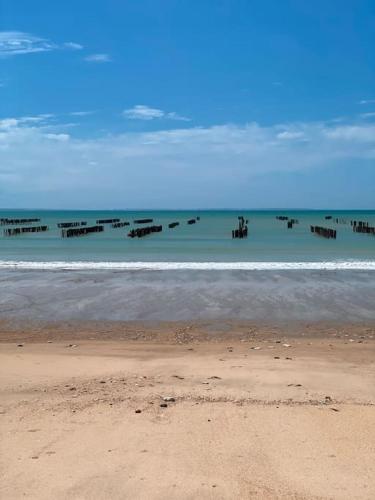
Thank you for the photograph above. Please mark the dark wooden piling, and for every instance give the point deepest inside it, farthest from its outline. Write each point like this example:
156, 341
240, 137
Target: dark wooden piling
117, 225
291, 223
242, 230
140, 232
65, 225
191, 221
364, 228
325, 232
107, 221
173, 224
81, 231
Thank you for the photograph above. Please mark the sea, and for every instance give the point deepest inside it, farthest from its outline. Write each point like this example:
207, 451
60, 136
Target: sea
190, 272
207, 244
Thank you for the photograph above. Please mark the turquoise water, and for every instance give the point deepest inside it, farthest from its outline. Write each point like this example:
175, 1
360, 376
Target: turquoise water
209, 240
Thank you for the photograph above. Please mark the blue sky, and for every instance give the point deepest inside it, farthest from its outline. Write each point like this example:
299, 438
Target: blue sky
187, 103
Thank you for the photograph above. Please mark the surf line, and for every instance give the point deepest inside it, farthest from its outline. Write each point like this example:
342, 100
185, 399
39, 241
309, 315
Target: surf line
202, 266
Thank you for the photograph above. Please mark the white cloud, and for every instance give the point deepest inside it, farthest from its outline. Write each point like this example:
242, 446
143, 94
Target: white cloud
98, 58
142, 112
17, 42
177, 165
7, 123
73, 46
357, 133
290, 135
367, 101
58, 137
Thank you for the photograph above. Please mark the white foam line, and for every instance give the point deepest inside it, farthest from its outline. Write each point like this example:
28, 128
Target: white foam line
202, 266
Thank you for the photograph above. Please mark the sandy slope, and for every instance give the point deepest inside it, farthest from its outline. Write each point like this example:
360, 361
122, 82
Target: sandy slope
243, 424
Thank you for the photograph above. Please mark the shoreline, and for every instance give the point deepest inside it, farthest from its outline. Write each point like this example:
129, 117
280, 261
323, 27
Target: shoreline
174, 332
128, 266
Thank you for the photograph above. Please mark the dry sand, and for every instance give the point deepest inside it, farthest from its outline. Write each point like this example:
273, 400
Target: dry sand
252, 417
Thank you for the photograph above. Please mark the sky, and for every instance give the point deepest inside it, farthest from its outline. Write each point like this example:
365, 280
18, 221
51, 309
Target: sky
187, 104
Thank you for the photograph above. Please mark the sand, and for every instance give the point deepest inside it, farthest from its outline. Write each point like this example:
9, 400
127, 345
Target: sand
257, 412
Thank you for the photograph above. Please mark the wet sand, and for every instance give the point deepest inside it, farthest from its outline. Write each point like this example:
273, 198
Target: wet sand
278, 296
256, 411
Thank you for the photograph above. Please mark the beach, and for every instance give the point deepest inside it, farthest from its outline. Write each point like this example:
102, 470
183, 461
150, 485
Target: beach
188, 364
205, 409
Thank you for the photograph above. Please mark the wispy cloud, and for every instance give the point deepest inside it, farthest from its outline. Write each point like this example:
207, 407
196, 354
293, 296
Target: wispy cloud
9, 123
73, 46
98, 58
142, 112
14, 43
367, 101
367, 115
81, 113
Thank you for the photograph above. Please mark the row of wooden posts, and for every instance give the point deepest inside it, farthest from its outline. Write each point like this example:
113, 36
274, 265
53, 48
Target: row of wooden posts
19, 230
65, 225
364, 229
107, 221
139, 232
359, 223
81, 231
323, 231
80, 228
9, 222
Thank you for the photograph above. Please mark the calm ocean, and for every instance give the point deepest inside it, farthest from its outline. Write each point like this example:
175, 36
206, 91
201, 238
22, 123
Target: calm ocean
204, 245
